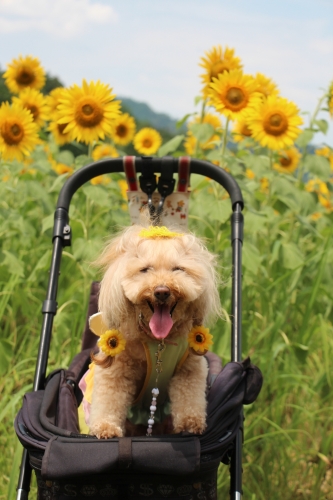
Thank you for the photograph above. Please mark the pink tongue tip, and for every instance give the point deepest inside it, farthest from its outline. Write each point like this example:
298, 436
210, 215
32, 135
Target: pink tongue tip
161, 322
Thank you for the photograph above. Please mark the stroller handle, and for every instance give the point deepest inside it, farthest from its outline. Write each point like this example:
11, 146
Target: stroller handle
113, 165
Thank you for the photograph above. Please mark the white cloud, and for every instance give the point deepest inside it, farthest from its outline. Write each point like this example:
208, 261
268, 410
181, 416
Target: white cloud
62, 18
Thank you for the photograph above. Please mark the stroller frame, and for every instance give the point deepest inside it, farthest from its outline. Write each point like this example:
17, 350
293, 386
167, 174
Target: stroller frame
62, 238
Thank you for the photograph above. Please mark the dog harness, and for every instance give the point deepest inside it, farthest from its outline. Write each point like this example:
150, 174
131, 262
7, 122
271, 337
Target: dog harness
173, 358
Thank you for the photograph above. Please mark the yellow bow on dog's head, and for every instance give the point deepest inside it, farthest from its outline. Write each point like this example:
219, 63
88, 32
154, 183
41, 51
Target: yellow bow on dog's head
154, 232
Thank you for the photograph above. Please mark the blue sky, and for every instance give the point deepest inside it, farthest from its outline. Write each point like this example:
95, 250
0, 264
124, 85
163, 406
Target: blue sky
150, 50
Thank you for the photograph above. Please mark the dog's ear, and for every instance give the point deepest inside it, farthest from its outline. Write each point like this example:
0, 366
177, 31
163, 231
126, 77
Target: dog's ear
112, 301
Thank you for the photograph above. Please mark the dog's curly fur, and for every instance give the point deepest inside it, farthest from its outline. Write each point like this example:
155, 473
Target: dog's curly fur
134, 267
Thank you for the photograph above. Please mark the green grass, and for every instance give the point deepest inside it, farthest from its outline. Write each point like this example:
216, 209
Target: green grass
287, 313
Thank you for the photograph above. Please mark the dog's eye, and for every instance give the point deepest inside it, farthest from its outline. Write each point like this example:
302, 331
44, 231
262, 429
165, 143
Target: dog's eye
145, 270
178, 269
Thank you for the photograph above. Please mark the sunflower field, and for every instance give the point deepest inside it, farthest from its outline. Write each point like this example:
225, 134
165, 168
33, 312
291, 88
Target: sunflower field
241, 123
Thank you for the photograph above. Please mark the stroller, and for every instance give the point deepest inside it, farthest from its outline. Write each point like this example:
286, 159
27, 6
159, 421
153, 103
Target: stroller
70, 464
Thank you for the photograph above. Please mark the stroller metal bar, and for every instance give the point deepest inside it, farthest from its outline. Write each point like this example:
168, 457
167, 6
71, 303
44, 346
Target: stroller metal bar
101, 167
236, 335
49, 311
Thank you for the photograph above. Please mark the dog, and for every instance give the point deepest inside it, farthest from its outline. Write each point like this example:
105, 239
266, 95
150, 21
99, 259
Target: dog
159, 286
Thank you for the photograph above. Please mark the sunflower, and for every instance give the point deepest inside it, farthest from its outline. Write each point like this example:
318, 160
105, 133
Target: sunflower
275, 122
61, 168
288, 161
241, 130
249, 174
147, 141
200, 339
104, 151
18, 132
123, 129
34, 101
191, 141
265, 85
24, 72
215, 63
324, 151
112, 342
58, 132
53, 100
233, 94
88, 111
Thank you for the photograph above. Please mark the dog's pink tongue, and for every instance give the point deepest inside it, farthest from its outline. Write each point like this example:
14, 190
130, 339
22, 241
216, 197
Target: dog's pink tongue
161, 322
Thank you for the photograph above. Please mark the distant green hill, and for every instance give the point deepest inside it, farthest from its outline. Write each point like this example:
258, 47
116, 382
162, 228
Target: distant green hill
146, 116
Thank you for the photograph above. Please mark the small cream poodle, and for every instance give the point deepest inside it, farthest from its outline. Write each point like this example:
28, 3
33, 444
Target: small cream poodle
158, 288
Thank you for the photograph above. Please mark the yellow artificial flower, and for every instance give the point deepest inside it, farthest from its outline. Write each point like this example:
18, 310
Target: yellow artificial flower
35, 102
154, 232
191, 142
200, 339
24, 72
104, 151
147, 141
288, 161
111, 342
241, 130
18, 132
215, 63
123, 129
88, 111
275, 122
265, 85
233, 94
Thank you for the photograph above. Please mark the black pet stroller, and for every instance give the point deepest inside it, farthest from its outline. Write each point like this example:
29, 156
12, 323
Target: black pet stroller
177, 466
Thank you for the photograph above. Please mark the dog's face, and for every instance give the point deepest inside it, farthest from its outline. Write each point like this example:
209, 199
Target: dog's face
162, 286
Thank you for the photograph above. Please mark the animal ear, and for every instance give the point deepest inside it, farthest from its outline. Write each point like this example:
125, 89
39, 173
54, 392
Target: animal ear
112, 301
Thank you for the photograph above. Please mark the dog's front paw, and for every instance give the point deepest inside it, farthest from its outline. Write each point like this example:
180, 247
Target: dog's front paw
193, 424
105, 430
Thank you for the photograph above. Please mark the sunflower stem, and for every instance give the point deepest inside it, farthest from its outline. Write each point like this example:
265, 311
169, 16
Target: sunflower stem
203, 109
90, 148
224, 143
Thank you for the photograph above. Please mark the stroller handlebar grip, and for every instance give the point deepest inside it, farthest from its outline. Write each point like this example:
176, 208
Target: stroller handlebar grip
114, 165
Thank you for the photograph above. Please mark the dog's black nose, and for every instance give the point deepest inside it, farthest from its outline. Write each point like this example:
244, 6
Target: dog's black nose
162, 293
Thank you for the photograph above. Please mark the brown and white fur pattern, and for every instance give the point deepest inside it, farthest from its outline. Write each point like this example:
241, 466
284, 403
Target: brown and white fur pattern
140, 276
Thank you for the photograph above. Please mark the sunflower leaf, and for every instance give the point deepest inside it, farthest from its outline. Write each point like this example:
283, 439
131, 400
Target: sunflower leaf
170, 146
181, 122
304, 138
202, 131
319, 166
322, 125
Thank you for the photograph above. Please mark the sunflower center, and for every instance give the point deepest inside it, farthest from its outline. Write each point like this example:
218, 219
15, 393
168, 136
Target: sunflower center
218, 68
199, 338
147, 143
88, 114
235, 99
61, 127
12, 133
276, 124
121, 130
113, 342
285, 162
25, 77
33, 110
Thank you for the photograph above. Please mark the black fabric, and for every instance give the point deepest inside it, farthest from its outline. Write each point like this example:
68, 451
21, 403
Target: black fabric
65, 458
